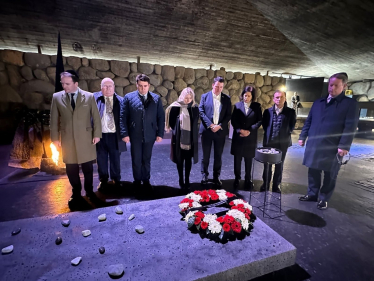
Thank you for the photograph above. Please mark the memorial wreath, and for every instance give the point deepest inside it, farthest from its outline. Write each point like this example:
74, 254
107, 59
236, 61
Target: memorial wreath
235, 222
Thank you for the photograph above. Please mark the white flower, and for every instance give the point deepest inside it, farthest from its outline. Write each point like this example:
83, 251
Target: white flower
236, 214
245, 224
209, 218
190, 214
222, 196
247, 206
238, 201
195, 205
194, 197
215, 227
221, 191
183, 206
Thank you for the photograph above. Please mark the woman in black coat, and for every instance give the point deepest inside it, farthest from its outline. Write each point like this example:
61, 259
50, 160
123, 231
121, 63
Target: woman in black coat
246, 119
182, 117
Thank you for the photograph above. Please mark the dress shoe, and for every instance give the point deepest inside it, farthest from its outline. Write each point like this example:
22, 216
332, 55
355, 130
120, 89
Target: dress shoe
276, 189
322, 205
248, 185
236, 183
103, 187
181, 183
308, 198
204, 180
187, 183
78, 203
217, 182
96, 200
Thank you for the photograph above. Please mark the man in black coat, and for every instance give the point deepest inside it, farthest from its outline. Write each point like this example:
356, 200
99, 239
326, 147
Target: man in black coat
111, 144
329, 128
142, 123
278, 122
215, 113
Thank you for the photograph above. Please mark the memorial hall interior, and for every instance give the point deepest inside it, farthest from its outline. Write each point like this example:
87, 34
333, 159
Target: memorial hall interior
287, 45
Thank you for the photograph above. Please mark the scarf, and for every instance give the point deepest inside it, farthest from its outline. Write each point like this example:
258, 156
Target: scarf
184, 122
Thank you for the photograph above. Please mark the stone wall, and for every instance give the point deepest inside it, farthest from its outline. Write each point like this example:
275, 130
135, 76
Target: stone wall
363, 91
29, 78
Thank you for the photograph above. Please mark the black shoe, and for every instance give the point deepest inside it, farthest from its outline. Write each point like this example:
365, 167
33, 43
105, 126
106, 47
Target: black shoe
204, 180
236, 183
248, 185
322, 205
217, 182
103, 187
96, 200
308, 198
187, 183
263, 187
78, 203
276, 189
181, 183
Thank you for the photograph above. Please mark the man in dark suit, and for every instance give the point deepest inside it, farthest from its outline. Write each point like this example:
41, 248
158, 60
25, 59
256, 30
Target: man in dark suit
142, 123
215, 113
329, 128
111, 144
76, 121
278, 122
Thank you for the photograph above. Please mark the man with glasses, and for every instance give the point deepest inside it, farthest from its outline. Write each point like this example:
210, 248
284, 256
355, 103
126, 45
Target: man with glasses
111, 144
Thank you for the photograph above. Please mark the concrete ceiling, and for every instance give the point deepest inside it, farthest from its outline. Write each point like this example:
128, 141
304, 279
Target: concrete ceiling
312, 38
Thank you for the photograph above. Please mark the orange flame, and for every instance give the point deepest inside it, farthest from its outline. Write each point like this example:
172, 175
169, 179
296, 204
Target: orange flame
55, 153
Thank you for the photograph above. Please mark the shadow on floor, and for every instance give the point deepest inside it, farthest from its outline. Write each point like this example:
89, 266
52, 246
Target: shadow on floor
305, 218
291, 273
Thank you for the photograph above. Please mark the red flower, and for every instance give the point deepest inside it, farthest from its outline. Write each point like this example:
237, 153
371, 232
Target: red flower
204, 225
246, 216
197, 192
236, 226
240, 206
197, 220
190, 205
228, 194
199, 215
231, 203
220, 219
186, 200
214, 196
226, 227
211, 191
228, 219
234, 207
241, 210
205, 198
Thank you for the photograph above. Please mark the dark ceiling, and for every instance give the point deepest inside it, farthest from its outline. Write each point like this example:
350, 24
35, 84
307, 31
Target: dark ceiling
311, 38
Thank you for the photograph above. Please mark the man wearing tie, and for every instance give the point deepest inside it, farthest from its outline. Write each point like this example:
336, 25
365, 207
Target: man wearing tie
75, 118
142, 123
111, 144
215, 113
329, 131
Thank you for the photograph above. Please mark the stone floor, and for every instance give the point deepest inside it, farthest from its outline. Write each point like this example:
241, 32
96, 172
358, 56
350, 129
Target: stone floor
335, 244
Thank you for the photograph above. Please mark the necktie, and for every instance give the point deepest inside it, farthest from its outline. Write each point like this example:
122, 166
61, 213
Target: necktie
72, 102
109, 112
142, 98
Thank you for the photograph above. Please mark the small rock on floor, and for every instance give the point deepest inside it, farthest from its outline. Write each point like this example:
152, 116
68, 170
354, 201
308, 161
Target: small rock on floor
86, 233
7, 250
115, 270
16, 231
119, 210
76, 261
139, 229
131, 217
65, 223
102, 217
101, 250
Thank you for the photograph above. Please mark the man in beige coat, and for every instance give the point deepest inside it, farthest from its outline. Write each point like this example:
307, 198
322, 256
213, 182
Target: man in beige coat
75, 118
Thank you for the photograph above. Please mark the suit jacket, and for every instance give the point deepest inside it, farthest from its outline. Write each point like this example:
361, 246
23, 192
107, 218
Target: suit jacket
142, 122
288, 116
245, 146
206, 109
327, 128
117, 101
77, 128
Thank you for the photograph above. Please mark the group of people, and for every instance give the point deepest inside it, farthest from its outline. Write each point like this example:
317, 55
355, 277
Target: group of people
99, 125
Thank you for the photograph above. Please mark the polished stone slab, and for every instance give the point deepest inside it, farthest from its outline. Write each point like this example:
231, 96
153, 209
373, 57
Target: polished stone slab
167, 250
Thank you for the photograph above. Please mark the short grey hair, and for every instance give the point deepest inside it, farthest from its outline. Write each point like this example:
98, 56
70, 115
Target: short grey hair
106, 80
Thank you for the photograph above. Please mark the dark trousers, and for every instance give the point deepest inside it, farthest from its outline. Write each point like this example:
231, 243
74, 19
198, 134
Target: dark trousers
107, 147
278, 171
238, 167
141, 154
72, 171
208, 138
328, 185
186, 159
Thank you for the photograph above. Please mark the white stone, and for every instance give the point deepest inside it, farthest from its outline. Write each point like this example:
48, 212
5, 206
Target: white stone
131, 217
139, 229
7, 250
360, 88
115, 270
371, 94
102, 217
118, 210
86, 233
76, 261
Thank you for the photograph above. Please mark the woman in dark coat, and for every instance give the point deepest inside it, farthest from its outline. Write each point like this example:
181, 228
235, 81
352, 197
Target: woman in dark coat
246, 119
182, 117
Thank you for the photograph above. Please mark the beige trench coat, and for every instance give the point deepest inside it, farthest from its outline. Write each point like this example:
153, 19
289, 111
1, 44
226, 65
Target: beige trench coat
75, 127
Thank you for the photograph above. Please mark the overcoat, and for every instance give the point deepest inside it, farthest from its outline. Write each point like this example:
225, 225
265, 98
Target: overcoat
117, 101
77, 128
288, 116
245, 146
327, 128
175, 151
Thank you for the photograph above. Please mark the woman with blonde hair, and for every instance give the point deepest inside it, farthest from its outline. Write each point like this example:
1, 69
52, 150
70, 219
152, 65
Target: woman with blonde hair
182, 117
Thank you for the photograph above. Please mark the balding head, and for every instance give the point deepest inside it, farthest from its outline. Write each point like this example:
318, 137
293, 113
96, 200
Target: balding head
107, 87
